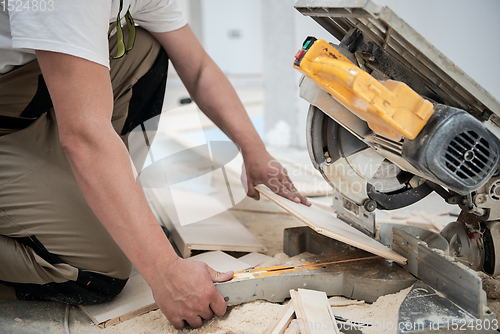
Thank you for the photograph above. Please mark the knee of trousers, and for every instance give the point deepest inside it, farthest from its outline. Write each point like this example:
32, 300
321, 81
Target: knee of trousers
89, 288
116, 267
120, 269
106, 259
39, 275
101, 256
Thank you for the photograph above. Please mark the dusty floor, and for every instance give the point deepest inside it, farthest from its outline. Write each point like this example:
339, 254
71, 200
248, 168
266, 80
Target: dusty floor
253, 318
243, 319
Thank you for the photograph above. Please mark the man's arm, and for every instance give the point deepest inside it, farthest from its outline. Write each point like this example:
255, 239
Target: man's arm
215, 96
83, 102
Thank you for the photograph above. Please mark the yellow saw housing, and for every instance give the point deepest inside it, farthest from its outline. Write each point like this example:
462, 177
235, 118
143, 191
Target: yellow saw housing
390, 108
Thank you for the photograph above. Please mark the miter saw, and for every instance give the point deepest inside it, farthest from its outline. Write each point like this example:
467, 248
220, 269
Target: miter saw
392, 120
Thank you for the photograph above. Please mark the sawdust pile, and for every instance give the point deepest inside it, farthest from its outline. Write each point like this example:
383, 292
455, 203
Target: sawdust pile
250, 318
382, 314
275, 260
256, 317
491, 285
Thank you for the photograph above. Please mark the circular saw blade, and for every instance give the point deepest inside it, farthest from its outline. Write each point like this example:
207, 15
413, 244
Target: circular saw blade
386, 178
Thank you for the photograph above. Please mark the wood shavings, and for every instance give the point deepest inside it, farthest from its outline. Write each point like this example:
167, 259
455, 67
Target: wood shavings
338, 301
491, 285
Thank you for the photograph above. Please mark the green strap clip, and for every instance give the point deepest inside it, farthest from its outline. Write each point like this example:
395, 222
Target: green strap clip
120, 44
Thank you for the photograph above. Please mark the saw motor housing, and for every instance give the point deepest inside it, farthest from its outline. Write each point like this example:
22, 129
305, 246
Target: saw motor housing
454, 150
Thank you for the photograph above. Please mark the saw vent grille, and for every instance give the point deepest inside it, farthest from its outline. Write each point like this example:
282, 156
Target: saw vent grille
469, 158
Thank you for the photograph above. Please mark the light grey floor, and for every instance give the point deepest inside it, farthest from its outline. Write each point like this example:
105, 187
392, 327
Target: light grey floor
18, 317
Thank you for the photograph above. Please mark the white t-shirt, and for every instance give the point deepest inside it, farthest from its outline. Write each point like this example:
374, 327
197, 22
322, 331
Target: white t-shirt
75, 27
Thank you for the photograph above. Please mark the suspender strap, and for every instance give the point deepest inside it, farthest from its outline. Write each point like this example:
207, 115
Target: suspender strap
121, 48
131, 31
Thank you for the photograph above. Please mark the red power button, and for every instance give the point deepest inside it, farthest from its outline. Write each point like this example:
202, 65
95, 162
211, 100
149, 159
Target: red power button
300, 54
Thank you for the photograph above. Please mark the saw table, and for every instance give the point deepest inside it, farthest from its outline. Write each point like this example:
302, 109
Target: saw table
446, 294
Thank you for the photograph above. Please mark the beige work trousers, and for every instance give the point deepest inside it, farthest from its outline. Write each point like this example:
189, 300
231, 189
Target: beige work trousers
39, 197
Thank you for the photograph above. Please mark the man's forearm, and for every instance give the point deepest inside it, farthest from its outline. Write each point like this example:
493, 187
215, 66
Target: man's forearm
83, 102
104, 173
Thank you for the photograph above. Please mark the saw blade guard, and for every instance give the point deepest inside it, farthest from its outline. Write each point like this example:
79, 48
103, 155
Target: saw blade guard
355, 169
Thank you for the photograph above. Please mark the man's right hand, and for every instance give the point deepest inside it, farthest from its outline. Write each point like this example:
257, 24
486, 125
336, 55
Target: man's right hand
186, 292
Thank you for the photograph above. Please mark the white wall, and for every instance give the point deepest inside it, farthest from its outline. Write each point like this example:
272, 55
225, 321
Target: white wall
285, 113
466, 31
232, 32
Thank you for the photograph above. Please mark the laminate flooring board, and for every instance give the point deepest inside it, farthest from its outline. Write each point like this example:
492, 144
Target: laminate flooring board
313, 312
342, 302
221, 261
299, 310
219, 232
328, 224
283, 321
323, 202
254, 259
135, 299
